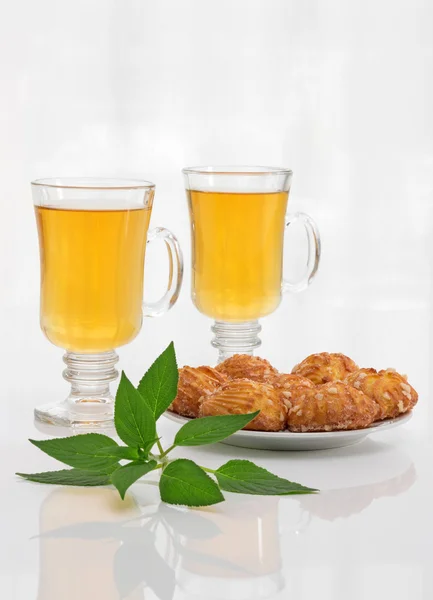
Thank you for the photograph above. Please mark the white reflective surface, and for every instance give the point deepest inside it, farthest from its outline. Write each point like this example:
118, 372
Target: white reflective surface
366, 535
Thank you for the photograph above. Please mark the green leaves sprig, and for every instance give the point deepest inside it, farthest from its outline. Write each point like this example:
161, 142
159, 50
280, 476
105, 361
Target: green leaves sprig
94, 457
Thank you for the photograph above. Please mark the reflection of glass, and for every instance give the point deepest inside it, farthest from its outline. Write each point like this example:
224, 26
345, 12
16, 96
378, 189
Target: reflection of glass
339, 546
333, 504
89, 538
92, 237
238, 219
242, 562
76, 561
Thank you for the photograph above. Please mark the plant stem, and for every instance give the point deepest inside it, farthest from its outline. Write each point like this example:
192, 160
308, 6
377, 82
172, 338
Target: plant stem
165, 452
207, 470
160, 448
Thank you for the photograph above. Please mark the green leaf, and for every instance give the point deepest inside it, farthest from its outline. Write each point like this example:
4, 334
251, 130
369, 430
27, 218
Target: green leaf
81, 451
124, 477
209, 430
68, 477
143, 452
159, 385
134, 421
244, 477
119, 452
184, 482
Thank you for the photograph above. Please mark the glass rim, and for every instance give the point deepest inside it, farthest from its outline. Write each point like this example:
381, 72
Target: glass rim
236, 170
94, 183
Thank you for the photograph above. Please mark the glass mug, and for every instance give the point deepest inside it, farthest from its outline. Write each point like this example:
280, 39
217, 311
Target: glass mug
92, 239
238, 220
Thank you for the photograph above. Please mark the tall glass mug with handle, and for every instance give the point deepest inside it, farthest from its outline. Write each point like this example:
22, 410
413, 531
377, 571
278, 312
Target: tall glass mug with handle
238, 220
92, 238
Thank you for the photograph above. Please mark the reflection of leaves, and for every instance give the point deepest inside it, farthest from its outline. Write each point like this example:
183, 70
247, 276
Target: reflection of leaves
140, 563
188, 523
137, 562
86, 531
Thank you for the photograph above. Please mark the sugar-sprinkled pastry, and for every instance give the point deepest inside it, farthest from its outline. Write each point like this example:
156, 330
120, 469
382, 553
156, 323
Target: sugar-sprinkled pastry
389, 389
245, 396
290, 386
331, 406
195, 383
244, 366
324, 367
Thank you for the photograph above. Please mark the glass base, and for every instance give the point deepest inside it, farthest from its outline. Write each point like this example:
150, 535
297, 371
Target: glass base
235, 338
67, 414
90, 403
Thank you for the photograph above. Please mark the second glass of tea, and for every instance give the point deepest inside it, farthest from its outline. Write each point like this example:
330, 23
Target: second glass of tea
238, 220
92, 237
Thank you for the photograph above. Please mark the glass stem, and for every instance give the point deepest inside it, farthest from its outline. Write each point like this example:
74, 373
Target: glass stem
90, 376
235, 338
90, 403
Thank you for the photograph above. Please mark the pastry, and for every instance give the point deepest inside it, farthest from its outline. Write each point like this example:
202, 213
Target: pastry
331, 406
245, 396
324, 367
388, 388
325, 392
290, 386
195, 383
244, 366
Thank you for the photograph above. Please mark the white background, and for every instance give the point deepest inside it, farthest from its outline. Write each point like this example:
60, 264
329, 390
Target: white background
341, 92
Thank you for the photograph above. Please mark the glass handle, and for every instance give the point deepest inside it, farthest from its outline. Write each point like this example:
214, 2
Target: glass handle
313, 256
175, 273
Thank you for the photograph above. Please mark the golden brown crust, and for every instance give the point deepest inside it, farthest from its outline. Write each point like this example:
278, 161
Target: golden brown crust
350, 398
323, 367
330, 407
387, 388
245, 396
290, 386
194, 384
244, 366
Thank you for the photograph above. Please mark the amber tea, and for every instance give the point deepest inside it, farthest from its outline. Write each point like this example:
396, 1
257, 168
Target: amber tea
93, 234
238, 223
237, 253
92, 265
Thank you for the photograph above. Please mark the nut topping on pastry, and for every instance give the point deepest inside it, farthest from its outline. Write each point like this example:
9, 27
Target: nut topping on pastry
324, 367
325, 392
195, 383
388, 388
290, 386
244, 396
244, 366
331, 406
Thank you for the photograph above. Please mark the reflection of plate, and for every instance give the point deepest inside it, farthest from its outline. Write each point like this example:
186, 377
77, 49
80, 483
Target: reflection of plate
286, 440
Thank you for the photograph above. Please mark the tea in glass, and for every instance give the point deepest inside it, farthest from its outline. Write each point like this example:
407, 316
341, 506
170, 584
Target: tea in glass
92, 268
92, 239
238, 221
237, 258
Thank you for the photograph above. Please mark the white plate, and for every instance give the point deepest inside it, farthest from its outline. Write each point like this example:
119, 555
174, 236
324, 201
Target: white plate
286, 440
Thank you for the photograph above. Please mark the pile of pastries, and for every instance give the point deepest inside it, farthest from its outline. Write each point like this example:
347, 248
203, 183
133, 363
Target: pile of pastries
325, 392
